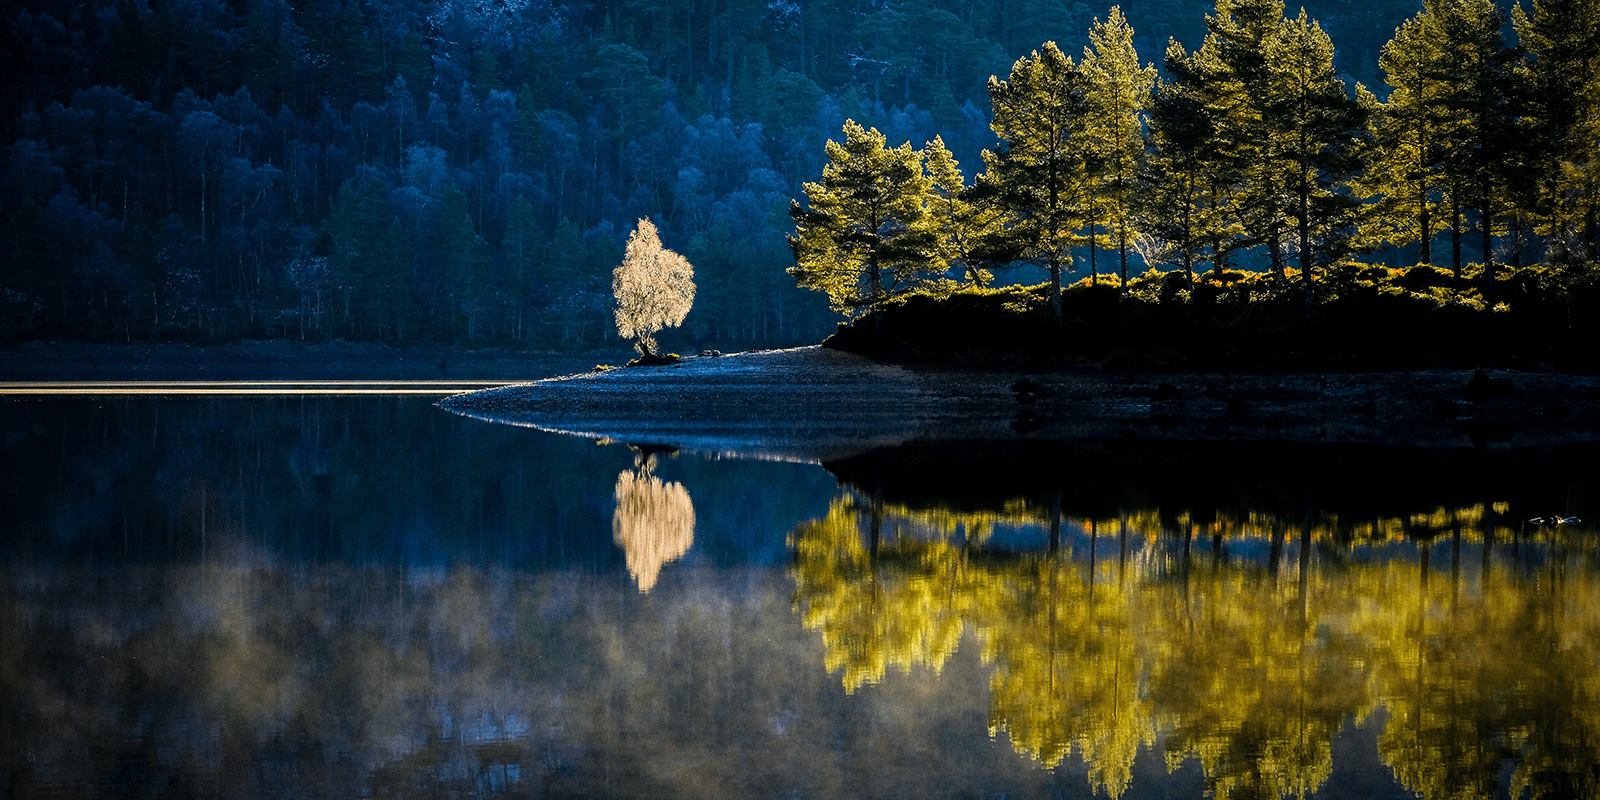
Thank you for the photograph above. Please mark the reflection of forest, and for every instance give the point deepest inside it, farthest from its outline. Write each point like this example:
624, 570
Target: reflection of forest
246, 676
1246, 643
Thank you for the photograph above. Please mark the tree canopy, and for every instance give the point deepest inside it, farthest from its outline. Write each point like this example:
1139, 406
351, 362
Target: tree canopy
653, 288
865, 232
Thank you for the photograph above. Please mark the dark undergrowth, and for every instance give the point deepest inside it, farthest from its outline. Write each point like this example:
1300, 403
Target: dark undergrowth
1358, 316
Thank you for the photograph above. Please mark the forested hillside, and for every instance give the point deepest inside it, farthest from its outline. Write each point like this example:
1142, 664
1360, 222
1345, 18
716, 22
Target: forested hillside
466, 172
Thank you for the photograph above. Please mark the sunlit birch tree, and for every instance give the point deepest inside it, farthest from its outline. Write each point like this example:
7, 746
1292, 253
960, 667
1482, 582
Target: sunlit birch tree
653, 287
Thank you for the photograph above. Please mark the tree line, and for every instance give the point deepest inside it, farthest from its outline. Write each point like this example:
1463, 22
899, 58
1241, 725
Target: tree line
1252, 147
462, 171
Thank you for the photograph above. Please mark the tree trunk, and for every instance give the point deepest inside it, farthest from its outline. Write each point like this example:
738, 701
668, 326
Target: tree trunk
1094, 270
1426, 236
1593, 228
1305, 239
1055, 286
1486, 222
1122, 246
1455, 230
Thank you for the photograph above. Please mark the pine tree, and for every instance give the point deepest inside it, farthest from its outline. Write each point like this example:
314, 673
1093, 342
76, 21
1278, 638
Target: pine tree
1562, 80
1037, 177
623, 78
960, 223
864, 233
1319, 126
371, 260
524, 262
1118, 89
465, 264
1481, 154
1404, 183
653, 288
1172, 200
1249, 180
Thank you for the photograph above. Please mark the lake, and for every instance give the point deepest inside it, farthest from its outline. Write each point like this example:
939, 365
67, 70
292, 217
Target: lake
342, 590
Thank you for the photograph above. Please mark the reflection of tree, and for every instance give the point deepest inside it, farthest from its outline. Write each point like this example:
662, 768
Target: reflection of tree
653, 523
1252, 665
1476, 678
875, 610
1257, 678
1069, 669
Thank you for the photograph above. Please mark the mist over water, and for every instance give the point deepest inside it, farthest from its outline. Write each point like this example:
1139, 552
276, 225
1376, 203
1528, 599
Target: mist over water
347, 595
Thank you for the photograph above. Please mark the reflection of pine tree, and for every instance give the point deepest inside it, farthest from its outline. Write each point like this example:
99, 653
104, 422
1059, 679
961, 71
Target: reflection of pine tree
877, 606
653, 523
1258, 691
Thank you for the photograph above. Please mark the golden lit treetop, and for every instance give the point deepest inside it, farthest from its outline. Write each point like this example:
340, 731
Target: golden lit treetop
865, 233
653, 287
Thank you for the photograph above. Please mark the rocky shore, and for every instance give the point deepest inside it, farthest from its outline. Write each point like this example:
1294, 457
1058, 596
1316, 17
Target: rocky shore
816, 404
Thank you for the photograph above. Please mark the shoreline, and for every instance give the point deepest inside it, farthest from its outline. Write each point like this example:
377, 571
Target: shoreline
815, 404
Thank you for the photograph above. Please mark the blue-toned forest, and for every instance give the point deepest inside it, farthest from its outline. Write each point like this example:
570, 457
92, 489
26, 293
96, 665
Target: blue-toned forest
465, 173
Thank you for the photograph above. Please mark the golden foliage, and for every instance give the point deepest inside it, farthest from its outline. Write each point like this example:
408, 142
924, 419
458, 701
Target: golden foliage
1251, 672
653, 286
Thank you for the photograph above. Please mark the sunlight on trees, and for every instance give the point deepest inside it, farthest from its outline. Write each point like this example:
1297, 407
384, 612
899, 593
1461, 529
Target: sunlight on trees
1037, 177
1118, 91
864, 233
653, 288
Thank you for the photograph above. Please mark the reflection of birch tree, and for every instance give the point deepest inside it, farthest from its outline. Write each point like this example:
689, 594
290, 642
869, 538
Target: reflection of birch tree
653, 523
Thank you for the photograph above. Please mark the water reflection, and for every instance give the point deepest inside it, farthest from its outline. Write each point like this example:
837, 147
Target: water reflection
1247, 643
365, 596
654, 520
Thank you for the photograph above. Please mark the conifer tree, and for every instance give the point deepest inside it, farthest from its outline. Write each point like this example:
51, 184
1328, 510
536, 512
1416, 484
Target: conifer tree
1481, 154
864, 233
1248, 168
1319, 126
1037, 177
960, 224
1562, 82
465, 262
1118, 89
653, 288
371, 260
1404, 181
1172, 200
525, 264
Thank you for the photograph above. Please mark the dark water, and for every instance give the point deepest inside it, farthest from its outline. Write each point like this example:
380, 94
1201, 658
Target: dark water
340, 596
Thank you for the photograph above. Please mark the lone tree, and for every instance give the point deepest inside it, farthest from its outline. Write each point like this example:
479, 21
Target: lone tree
653, 286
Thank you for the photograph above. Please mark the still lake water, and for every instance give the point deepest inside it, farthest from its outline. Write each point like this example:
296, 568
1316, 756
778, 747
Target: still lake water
343, 595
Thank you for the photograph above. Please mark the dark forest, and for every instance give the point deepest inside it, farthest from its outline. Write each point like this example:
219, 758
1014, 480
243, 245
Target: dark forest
465, 173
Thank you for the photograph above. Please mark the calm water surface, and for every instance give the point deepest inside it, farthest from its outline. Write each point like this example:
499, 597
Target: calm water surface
342, 595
